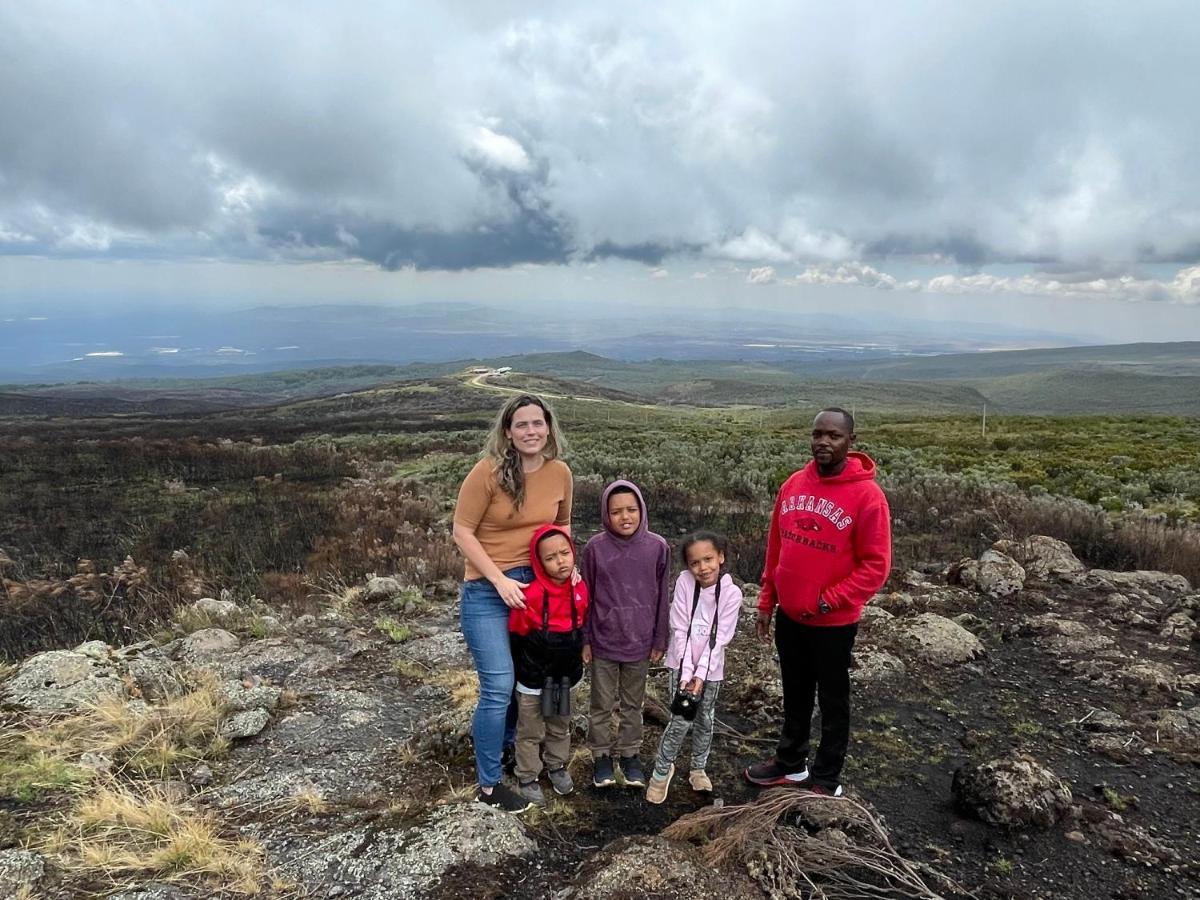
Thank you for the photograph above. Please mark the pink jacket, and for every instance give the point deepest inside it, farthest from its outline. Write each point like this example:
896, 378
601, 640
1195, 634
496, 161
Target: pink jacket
698, 660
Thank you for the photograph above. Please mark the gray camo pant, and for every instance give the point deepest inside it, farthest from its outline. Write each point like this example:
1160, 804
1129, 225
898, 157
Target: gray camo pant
678, 727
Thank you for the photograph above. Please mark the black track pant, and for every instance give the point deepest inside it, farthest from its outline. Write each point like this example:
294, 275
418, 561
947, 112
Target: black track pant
814, 660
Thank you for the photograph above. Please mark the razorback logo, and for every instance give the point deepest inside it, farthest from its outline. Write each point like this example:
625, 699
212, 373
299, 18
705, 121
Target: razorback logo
808, 523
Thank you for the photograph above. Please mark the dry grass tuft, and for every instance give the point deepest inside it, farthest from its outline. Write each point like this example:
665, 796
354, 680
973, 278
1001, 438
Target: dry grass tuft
160, 738
123, 832
28, 773
463, 686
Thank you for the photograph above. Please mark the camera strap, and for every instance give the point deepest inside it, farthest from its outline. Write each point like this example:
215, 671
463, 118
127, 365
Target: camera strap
712, 630
546, 611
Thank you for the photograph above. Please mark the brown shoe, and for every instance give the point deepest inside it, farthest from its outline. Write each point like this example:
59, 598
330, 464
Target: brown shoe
700, 781
656, 790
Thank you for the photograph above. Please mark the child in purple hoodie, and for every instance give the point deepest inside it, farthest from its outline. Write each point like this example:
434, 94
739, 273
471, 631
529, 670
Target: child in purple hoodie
627, 568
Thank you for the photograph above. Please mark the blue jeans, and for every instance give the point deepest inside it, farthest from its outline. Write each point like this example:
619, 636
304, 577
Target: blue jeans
483, 618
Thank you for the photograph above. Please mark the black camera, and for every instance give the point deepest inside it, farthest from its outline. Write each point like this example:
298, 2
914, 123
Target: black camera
685, 705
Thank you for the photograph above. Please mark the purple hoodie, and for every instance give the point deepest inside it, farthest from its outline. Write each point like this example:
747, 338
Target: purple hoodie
629, 581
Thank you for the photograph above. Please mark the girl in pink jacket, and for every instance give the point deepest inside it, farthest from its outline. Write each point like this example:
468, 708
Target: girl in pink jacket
704, 614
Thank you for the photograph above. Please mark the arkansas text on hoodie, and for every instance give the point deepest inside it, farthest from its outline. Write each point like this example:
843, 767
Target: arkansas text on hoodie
629, 582
830, 539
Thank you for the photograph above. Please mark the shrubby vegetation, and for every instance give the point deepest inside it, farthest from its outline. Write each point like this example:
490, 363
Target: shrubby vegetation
277, 502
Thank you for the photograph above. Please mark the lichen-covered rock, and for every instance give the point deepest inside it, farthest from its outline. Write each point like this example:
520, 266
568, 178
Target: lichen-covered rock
443, 649
997, 574
876, 665
63, 680
407, 863
155, 676
239, 695
382, 588
1067, 635
640, 866
1141, 580
928, 638
1014, 791
203, 645
245, 723
1179, 626
1044, 558
20, 871
217, 609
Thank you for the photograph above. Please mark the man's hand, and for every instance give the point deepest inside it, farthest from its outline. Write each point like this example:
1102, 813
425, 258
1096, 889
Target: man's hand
762, 625
587, 654
656, 655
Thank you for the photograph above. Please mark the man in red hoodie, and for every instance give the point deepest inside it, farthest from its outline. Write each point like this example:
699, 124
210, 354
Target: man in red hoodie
828, 551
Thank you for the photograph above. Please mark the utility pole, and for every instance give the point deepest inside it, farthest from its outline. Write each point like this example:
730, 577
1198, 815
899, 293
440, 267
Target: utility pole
983, 425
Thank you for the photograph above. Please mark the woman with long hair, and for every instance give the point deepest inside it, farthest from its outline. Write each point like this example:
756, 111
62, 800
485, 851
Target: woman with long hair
520, 484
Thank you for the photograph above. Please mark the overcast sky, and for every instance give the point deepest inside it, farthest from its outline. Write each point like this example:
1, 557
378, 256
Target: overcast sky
1038, 160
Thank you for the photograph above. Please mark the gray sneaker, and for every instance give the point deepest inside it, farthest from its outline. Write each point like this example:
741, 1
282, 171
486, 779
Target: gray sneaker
531, 791
561, 780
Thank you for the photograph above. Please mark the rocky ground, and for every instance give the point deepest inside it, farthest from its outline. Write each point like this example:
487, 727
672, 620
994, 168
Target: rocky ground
1023, 726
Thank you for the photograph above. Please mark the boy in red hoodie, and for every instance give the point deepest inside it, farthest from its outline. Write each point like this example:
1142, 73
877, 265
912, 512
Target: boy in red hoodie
547, 648
828, 551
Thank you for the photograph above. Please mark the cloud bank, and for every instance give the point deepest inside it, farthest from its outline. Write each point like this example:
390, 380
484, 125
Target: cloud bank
836, 138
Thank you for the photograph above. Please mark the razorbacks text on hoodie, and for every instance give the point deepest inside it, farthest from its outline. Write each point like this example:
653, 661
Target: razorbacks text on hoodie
830, 539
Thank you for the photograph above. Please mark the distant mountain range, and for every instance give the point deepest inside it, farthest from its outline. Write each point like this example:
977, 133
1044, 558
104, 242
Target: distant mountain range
1122, 379
163, 343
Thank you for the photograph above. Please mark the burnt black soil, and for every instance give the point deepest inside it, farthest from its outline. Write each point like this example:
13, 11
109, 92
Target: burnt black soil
909, 736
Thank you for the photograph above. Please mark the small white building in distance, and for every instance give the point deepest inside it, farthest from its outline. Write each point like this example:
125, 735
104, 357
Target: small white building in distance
504, 370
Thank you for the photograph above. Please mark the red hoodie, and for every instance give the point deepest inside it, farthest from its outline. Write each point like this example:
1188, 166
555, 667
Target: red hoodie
523, 621
831, 540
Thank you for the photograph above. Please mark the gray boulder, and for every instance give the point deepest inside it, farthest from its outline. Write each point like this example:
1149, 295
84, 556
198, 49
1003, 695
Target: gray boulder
1067, 635
1140, 581
653, 866
217, 609
391, 865
876, 665
20, 871
206, 644
64, 680
241, 696
928, 637
382, 588
996, 574
1044, 558
244, 724
1014, 791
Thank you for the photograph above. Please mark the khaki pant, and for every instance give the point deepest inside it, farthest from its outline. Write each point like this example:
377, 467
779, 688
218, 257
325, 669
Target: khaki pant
534, 733
621, 688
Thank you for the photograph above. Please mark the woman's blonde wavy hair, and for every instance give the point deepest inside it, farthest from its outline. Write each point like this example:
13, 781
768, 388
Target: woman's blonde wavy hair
500, 450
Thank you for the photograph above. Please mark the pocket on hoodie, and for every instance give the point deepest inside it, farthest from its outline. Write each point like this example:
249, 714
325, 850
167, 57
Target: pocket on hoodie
796, 593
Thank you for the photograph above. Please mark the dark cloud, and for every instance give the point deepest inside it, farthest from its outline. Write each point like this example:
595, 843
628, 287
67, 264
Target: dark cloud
464, 138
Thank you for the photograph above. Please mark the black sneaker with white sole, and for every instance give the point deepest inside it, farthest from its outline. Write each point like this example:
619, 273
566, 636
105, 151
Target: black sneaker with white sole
772, 772
505, 798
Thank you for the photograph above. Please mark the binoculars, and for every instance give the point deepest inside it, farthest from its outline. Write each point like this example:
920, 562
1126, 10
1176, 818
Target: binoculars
556, 697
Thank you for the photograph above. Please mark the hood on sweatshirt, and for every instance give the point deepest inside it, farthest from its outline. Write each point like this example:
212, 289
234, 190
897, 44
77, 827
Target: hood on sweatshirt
535, 561
643, 524
859, 467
